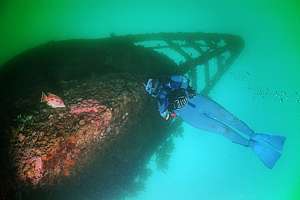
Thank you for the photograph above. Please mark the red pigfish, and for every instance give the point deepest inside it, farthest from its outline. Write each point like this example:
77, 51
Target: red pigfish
52, 100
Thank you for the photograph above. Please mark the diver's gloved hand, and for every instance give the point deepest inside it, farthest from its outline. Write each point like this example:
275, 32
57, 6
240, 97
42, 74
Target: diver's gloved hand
166, 115
191, 92
170, 116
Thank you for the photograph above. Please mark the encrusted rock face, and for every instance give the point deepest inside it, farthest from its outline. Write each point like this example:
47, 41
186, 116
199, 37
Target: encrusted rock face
58, 156
56, 143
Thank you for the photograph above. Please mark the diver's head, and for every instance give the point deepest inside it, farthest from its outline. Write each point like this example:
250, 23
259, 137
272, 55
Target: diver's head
152, 87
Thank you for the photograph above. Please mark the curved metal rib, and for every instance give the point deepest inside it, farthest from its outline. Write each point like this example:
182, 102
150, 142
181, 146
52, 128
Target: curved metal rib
225, 48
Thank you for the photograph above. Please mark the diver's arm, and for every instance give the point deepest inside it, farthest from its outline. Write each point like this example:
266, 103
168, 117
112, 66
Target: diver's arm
163, 105
164, 109
179, 81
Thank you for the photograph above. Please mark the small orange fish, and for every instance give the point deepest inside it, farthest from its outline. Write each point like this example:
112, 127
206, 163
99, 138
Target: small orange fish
52, 100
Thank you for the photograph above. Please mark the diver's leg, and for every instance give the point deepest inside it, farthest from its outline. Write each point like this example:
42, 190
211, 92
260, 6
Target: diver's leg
259, 143
218, 112
202, 121
218, 127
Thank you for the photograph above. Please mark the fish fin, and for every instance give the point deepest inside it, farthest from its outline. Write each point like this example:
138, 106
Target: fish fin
43, 97
49, 94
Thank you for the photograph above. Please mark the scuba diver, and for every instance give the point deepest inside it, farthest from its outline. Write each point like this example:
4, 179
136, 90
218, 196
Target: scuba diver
175, 97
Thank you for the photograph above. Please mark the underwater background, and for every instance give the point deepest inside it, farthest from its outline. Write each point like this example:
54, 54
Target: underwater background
262, 87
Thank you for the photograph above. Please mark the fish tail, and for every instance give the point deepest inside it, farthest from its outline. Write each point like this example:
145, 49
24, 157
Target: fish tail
43, 97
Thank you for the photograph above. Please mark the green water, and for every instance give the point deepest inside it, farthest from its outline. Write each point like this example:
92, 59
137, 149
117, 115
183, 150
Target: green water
262, 87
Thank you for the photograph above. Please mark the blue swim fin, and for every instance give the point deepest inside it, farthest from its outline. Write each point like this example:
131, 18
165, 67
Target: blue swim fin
275, 141
267, 148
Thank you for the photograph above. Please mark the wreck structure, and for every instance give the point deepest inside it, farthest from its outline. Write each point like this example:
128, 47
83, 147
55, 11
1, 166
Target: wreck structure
101, 142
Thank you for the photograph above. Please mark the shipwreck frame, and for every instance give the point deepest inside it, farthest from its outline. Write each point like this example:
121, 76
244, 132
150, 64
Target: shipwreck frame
225, 48
212, 53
